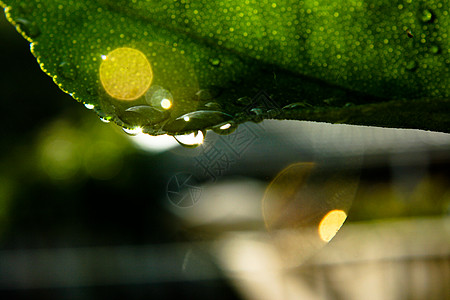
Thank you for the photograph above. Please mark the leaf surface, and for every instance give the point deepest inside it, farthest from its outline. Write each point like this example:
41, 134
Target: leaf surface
152, 64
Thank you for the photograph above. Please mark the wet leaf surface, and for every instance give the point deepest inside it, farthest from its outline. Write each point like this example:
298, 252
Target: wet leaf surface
147, 64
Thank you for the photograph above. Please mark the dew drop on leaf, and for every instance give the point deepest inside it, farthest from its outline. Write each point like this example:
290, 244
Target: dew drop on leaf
412, 66
225, 129
214, 61
296, 105
28, 27
208, 94
244, 101
125, 73
257, 111
67, 70
434, 49
427, 16
89, 106
213, 105
159, 98
197, 120
143, 114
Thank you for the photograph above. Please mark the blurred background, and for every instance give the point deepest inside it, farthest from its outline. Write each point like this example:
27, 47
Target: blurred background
89, 212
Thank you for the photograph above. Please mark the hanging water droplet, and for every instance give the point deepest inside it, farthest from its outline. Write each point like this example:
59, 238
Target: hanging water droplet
244, 101
191, 140
214, 61
67, 70
132, 131
412, 66
105, 120
427, 16
159, 98
213, 105
30, 28
143, 114
197, 120
89, 106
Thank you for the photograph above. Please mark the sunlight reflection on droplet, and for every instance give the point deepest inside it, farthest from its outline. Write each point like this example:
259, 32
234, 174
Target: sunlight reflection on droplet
133, 131
187, 119
191, 140
331, 223
166, 103
225, 126
89, 106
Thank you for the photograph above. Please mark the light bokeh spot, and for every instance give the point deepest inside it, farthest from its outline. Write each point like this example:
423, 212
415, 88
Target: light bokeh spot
331, 223
126, 74
166, 103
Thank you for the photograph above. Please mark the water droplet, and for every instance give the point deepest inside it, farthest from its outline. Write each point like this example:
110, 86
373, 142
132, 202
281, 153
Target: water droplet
272, 113
225, 126
295, 105
434, 49
159, 98
89, 106
196, 120
203, 95
214, 61
143, 114
244, 101
412, 66
213, 105
105, 120
67, 70
257, 111
191, 140
225, 129
132, 131
126, 74
28, 27
208, 94
409, 33
427, 16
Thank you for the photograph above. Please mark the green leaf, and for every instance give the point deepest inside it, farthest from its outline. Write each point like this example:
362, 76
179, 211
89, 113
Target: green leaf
152, 64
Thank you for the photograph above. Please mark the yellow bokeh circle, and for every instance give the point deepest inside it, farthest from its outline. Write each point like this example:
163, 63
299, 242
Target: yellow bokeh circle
331, 223
125, 73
